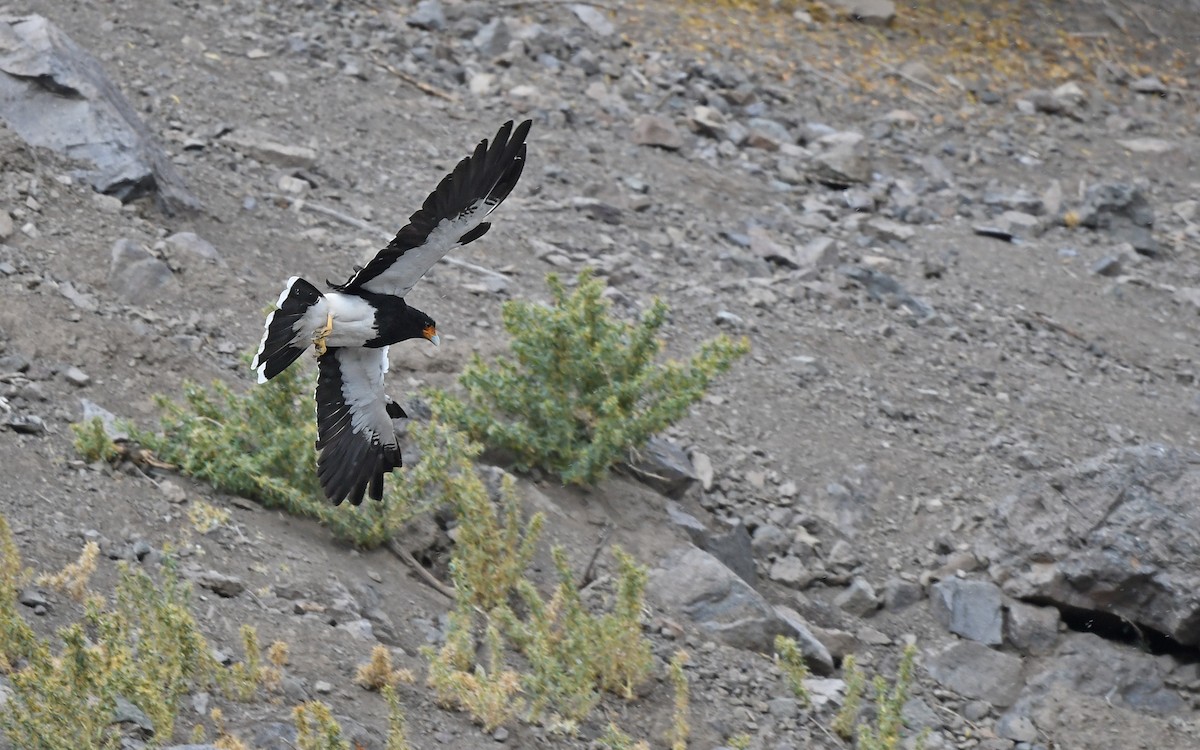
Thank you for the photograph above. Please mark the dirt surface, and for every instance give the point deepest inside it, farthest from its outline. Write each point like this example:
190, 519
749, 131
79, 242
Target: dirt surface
854, 417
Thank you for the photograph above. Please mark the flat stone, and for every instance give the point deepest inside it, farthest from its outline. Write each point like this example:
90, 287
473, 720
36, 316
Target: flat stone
664, 466
1147, 145
695, 584
815, 654
971, 609
137, 276
223, 585
596, 21
428, 15
76, 377
266, 149
873, 12
857, 599
656, 130
191, 244
976, 671
1032, 630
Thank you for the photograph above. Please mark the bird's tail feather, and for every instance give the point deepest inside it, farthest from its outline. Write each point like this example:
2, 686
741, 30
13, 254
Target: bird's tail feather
284, 341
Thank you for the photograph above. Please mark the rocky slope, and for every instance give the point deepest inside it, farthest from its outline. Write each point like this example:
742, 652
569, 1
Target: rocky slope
963, 245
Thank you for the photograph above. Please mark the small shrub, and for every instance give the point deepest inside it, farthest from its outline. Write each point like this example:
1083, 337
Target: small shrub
614, 739
583, 389
316, 729
93, 442
884, 732
574, 654
397, 738
847, 716
260, 445
680, 729
73, 579
206, 517
489, 695
377, 673
146, 647
795, 670
494, 547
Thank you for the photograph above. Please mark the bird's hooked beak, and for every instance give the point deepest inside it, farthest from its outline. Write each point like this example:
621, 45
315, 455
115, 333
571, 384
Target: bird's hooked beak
430, 333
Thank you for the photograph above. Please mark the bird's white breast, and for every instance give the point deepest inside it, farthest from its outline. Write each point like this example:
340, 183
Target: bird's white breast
353, 319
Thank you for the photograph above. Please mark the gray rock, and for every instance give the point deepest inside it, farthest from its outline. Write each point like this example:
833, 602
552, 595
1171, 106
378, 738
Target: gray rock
33, 597
56, 96
133, 718
694, 527
709, 121
1148, 85
1123, 677
815, 654
791, 571
266, 149
857, 599
428, 15
734, 549
976, 671
1115, 534
656, 130
137, 276
192, 245
219, 583
663, 466
275, 735
883, 288
971, 609
820, 252
1016, 726
1110, 265
841, 166
493, 38
1014, 200
703, 467
1030, 629
768, 539
1147, 145
76, 377
767, 134
1109, 204
764, 245
899, 594
695, 584
596, 21
26, 424
873, 12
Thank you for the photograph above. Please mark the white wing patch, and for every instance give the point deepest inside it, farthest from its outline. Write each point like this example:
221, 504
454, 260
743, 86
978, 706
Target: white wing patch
409, 268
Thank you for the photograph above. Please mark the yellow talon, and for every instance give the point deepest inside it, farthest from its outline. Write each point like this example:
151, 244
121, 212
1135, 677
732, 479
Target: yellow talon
322, 334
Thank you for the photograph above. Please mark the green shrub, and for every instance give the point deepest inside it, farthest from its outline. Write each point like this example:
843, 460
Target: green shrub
680, 728
884, 732
260, 445
583, 389
146, 648
795, 670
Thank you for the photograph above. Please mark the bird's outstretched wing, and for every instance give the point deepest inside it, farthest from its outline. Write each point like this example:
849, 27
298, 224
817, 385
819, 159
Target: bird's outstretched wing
355, 436
451, 216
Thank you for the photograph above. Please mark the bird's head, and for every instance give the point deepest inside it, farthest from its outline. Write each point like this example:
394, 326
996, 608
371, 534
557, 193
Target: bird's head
424, 327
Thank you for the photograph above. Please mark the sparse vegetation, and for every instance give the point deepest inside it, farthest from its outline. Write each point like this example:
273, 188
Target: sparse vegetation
73, 579
571, 654
614, 739
260, 445
316, 729
884, 732
377, 673
583, 389
680, 728
145, 648
791, 661
93, 442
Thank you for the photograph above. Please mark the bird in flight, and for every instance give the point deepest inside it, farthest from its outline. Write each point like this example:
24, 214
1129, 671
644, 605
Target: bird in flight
352, 325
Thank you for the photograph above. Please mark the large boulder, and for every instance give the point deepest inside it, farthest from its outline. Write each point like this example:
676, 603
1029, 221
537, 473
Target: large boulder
1117, 535
56, 96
